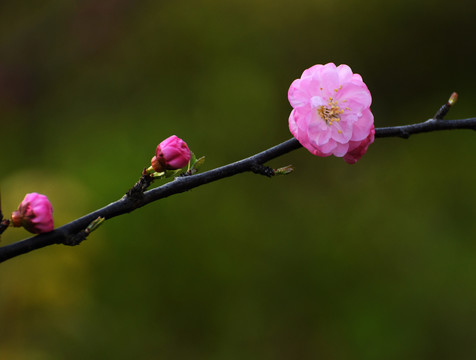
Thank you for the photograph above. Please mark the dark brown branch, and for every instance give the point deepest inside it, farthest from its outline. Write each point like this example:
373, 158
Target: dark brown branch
65, 233
430, 125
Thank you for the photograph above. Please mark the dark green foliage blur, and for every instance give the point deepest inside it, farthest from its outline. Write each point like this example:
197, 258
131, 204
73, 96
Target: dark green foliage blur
371, 261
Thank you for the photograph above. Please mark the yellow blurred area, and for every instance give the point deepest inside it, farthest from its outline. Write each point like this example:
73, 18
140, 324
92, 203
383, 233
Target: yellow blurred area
46, 285
69, 197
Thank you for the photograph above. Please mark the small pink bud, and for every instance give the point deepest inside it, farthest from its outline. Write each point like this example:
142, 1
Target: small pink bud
35, 214
171, 154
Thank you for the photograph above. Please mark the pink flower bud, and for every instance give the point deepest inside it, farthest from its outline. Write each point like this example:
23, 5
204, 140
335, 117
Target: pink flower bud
331, 111
171, 154
35, 214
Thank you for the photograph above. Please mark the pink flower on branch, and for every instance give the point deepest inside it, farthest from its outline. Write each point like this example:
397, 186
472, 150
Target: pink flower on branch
35, 214
171, 154
331, 112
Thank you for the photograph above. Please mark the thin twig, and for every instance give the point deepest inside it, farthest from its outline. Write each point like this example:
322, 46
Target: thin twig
430, 125
126, 204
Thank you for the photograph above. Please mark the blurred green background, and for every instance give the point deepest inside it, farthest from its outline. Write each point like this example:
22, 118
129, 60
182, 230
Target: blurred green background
371, 261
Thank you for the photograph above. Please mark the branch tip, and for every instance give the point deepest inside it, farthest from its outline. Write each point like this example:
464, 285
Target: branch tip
453, 98
442, 111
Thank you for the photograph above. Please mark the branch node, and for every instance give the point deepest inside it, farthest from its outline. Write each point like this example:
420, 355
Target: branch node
75, 239
79, 237
186, 173
140, 186
404, 134
262, 170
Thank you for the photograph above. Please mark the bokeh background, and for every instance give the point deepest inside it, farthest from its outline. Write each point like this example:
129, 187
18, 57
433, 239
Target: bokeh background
371, 261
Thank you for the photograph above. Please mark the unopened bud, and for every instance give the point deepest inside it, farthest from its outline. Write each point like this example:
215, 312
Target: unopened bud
35, 214
94, 224
284, 170
171, 154
453, 98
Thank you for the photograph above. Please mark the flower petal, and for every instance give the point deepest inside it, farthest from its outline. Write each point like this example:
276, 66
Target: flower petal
341, 149
345, 73
363, 126
357, 96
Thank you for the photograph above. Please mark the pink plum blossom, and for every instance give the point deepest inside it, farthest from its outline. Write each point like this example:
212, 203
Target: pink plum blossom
171, 154
331, 112
35, 214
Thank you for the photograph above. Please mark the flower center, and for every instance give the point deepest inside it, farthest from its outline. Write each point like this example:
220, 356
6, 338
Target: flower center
331, 112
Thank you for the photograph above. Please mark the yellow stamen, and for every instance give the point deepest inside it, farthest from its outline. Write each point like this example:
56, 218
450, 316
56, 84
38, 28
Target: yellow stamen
330, 113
